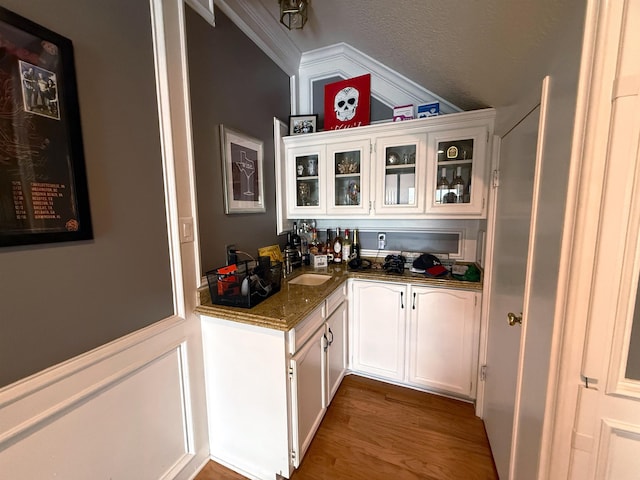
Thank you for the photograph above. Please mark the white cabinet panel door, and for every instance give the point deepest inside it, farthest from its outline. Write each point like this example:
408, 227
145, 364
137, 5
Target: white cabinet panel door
307, 393
337, 349
441, 339
378, 333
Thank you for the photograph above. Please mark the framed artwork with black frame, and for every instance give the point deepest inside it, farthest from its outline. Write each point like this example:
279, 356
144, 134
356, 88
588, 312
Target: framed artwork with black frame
243, 172
301, 124
43, 186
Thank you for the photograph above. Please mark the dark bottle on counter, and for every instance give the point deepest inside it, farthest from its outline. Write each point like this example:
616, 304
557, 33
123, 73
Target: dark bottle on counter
337, 247
296, 242
329, 243
314, 245
355, 245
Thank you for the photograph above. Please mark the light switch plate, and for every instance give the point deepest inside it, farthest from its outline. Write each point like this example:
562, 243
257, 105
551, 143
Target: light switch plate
186, 229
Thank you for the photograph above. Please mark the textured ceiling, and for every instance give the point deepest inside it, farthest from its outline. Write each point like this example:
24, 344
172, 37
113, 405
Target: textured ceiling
474, 53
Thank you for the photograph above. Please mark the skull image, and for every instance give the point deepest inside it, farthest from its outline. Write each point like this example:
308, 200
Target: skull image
345, 103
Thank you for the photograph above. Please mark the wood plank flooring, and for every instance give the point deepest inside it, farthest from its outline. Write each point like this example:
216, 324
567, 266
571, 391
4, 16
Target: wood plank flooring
376, 431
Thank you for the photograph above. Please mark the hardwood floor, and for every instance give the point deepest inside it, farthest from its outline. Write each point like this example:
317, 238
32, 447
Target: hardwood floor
375, 431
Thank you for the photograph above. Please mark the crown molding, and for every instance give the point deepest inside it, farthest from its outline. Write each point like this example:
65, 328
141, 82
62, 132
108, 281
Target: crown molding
256, 22
387, 86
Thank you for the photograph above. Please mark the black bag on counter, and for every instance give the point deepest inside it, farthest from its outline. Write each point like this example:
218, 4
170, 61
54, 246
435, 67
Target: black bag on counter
394, 263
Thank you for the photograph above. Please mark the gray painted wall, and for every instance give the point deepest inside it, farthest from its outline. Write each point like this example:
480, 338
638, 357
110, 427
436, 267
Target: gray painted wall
233, 83
60, 300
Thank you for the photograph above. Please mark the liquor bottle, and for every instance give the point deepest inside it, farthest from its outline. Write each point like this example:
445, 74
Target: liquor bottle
296, 242
328, 246
346, 247
314, 244
355, 245
337, 247
457, 186
442, 188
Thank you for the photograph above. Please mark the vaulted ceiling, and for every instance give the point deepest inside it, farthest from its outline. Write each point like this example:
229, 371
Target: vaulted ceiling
474, 53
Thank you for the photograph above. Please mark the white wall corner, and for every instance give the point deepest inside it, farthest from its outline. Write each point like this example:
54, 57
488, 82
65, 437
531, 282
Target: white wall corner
256, 22
387, 86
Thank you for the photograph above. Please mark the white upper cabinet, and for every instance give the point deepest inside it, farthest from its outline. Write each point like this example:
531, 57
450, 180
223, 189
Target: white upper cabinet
400, 164
458, 171
348, 177
392, 169
306, 180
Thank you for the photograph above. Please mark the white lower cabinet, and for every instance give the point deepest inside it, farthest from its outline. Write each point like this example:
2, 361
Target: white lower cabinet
336, 349
317, 368
308, 392
268, 390
420, 336
442, 340
378, 328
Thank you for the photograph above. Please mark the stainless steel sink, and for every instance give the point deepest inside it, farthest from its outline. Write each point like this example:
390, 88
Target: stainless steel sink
310, 279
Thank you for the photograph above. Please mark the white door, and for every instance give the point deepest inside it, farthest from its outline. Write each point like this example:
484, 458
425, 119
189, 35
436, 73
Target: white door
597, 418
443, 339
307, 393
336, 349
509, 272
378, 333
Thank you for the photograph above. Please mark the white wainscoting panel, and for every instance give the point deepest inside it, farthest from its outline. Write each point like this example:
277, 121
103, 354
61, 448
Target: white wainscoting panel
121, 411
619, 447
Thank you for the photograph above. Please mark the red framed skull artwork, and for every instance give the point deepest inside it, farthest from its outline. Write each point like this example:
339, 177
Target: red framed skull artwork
347, 103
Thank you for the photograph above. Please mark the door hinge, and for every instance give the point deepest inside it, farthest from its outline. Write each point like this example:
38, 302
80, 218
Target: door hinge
589, 382
291, 373
372, 148
293, 456
487, 136
495, 178
483, 373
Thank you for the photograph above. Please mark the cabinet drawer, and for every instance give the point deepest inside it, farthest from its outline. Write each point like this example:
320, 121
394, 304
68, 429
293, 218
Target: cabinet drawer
336, 298
305, 329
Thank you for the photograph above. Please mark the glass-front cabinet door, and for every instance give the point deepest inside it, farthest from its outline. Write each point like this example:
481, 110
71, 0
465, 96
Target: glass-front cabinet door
457, 167
400, 174
305, 180
348, 177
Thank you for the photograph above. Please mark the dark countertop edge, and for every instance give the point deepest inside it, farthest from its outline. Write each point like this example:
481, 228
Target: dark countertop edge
318, 294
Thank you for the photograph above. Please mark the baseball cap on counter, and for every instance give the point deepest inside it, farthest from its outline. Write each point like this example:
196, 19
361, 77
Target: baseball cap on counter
430, 264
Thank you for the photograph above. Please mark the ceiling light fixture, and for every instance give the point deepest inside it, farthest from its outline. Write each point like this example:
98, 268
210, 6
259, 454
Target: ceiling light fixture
293, 13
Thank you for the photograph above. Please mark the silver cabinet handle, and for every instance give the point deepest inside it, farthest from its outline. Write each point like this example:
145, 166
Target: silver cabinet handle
330, 341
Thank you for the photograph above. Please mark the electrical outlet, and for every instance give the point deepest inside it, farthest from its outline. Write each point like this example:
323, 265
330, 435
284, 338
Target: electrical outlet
382, 241
231, 255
